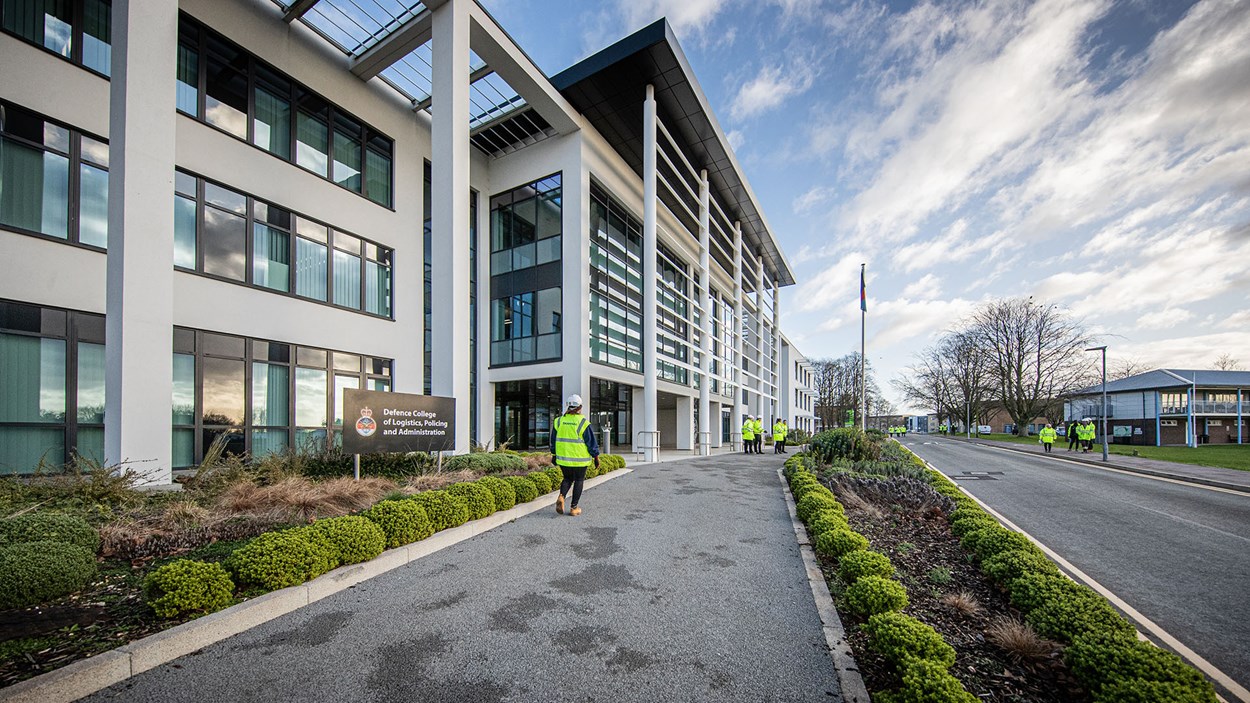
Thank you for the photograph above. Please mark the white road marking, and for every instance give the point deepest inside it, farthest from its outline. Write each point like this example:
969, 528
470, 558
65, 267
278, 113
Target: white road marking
1194, 658
1187, 521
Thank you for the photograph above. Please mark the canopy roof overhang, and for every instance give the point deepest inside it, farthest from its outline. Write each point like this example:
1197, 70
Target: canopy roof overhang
609, 89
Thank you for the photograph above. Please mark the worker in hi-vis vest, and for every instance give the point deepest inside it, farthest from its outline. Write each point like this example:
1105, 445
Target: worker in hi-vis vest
779, 437
748, 435
1047, 437
574, 448
759, 434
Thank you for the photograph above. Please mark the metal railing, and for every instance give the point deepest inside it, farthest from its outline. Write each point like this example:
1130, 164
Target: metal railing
643, 448
705, 444
1203, 407
735, 441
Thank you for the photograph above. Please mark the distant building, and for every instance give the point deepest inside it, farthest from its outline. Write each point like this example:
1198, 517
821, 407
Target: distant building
798, 400
1170, 407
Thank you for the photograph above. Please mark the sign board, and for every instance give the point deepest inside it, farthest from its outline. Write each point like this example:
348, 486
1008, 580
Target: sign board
1122, 431
380, 421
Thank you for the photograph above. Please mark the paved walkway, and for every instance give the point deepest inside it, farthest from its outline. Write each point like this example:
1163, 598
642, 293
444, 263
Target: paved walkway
1208, 475
682, 581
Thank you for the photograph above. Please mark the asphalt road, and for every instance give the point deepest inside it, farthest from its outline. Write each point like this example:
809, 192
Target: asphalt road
680, 582
1179, 554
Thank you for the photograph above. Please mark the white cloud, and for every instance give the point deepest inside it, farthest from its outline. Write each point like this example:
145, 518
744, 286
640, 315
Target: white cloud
834, 288
770, 87
913, 324
1164, 319
1185, 351
736, 139
813, 197
926, 288
686, 16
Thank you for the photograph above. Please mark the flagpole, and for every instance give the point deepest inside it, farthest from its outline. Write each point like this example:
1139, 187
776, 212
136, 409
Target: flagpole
863, 325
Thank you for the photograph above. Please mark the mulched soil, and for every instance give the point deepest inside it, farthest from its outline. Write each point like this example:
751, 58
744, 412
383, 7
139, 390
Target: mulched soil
917, 545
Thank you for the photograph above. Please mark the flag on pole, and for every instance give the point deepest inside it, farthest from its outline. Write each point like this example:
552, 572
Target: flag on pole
863, 292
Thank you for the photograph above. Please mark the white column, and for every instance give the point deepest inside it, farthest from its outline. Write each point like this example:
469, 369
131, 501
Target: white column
705, 300
649, 413
684, 425
777, 358
761, 406
450, 194
139, 326
740, 410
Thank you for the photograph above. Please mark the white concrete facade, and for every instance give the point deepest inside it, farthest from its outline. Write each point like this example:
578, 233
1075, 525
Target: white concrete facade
145, 299
798, 396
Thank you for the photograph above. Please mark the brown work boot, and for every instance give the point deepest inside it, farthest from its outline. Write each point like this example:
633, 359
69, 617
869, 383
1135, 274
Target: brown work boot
575, 512
560, 504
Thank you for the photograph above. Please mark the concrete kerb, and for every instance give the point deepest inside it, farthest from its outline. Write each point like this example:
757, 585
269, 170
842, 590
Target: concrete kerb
853, 689
87, 676
1099, 464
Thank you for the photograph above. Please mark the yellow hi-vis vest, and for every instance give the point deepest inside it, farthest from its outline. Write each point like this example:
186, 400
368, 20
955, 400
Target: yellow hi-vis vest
779, 432
1047, 435
748, 430
571, 447
759, 428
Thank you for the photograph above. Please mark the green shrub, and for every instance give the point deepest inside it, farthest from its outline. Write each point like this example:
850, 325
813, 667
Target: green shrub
899, 637
925, 681
826, 521
988, 541
859, 563
971, 523
444, 509
1010, 565
800, 475
837, 543
1103, 662
873, 594
49, 527
1033, 590
479, 498
592, 471
806, 488
556, 476
505, 495
36, 572
611, 462
184, 586
541, 481
485, 462
402, 521
815, 503
1141, 691
351, 538
523, 487
843, 443
334, 462
279, 559
1066, 619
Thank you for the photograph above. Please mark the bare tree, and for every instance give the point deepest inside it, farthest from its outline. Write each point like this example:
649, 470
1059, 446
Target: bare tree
838, 388
970, 373
1036, 355
927, 383
1226, 362
1123, 368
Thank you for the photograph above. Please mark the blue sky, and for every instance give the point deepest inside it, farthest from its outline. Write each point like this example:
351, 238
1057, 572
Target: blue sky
1092, 154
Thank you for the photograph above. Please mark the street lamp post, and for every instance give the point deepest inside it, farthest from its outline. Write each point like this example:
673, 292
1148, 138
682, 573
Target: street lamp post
1103, 349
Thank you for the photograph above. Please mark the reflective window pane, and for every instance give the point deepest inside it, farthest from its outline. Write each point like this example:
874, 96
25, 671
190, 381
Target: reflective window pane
342, 383
271, 128
183, 448
184, 232
93, 206
310, 397
225, 96
184, 389
225, 244
34, 189
267, 442
311, 269
378, 177
223, 396
312, 143
271, 258
270, 394
347, 159
188, 81
24, 449
32, 379
97, 35
377, 289
90, 383
346, 279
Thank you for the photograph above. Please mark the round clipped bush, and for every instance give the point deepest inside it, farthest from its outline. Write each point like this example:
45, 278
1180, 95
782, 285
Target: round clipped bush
36, 572
541, 481
523, 487
480, 500
186, 587
803, 490
402, 521
1033, 590
49, 527
556, 476
352, 538
814, 503
443, 509
592, 471
1065, 619
926, 681
873, 594
505, 496
1102, 661
860, 563
899, 637
1142, 691
839, 542
826, 521
988, 541
279, 559
971, 523
485, 462
1010, 565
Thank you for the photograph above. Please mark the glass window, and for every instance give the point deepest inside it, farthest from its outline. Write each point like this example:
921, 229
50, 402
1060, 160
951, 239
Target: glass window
225, 90
184, 389
225, 244
97, 35
271, 394
378, 177
310, 397
346, 279
311, 269
93, 205
347, 153
184, 232
312, 140
271, 258
223, 397
34, 189
90, 383
43, 22
32, 378
378, 287
342, 383
271, 128
188, 72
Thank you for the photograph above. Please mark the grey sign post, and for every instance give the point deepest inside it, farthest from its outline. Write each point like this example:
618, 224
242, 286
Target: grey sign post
380, 421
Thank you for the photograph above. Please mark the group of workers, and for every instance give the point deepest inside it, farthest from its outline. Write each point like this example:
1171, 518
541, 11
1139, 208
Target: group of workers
1081, 435
753, 435
896, 431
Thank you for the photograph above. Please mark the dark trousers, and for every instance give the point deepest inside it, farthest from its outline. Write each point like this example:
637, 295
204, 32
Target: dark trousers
1046, 446
1073, 441
779, 446
575, 477
759, 445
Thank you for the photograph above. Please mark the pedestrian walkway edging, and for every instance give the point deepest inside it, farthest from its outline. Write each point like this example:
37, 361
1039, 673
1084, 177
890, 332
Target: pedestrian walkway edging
853, 689
86, 676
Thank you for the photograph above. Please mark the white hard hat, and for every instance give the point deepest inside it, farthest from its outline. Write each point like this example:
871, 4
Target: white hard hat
574, 401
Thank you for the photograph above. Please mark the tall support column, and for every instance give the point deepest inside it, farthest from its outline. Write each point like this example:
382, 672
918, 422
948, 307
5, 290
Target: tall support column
739, 405
450, 216
760, 362
705, 301
649, 253
1239, 420
139, 324
777, 359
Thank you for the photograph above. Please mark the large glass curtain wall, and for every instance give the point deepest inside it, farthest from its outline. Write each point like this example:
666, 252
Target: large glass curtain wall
612, 403
261, 397
51, 386
526, 275
228, 88
226, 234
524, 412
615, 283
673, 317
78, 30
53, 179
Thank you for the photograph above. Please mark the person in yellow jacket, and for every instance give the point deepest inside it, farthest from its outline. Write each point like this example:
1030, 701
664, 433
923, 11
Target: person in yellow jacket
759, 434
1047, 437
748, 435
779, 437
574, 448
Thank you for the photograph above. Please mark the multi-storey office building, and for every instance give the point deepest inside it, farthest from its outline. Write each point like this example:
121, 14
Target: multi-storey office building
218, 215
798, 397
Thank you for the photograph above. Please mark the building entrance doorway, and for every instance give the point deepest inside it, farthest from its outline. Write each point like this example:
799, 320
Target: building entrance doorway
524, 412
